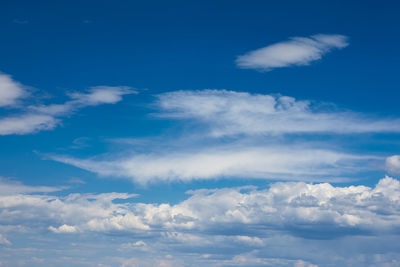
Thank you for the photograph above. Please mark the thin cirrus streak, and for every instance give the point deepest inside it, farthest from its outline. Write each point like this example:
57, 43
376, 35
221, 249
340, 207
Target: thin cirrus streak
297, 51
284, 162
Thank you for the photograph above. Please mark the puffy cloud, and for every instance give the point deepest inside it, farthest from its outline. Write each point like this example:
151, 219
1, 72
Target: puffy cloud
63, 229
10, 91
282, 225
281, 162
232, 113
393, 164
298, 51
47, 117
318, 209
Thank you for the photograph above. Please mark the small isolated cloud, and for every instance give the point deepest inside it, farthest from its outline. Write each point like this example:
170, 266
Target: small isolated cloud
20, 21
10, 91
4, 240
46, 117
63, 229
225, 113
297, 51
392, 164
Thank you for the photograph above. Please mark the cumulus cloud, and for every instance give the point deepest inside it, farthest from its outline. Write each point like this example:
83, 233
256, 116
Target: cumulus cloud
63, 229
297, 51
222, 227
46, 117
317, 209
393, 164
230, 113
10, 91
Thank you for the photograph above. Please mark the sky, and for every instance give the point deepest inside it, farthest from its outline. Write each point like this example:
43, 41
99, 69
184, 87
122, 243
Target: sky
199, 133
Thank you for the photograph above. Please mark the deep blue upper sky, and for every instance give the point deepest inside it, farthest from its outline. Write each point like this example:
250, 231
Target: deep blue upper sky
159, 46
169, 45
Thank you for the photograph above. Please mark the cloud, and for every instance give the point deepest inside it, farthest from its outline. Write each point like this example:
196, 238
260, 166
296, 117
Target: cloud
299, 208
10, 91
281, 162
4, 240
393, 164
282, 225
46, 117
20, 21
242, 135
27, 123
63, 229
226, 113
298, 51
11, 187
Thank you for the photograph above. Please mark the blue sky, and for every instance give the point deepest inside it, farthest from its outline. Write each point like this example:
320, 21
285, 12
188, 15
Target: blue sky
199, 133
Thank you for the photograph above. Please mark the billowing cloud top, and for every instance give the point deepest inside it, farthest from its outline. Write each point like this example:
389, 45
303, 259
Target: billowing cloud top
297, 51
393, 164
242, 219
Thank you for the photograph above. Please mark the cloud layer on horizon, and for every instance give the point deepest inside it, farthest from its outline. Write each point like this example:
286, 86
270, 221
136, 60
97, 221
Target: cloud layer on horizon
247, 224
298, 51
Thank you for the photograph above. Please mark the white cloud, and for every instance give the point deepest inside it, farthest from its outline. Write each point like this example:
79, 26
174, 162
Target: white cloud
393, 164
10, 91
47, 117
27, 123
4, 240
101, 95
63, 229
11, 187
298, 51
283, 162
285, 206
225, 112
282, 225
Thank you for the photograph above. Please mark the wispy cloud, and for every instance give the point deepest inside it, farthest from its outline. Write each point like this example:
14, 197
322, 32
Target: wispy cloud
10, 91
12, 187
225, 112
235, 161
46, 117
297, 51
20, 21
247, 136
